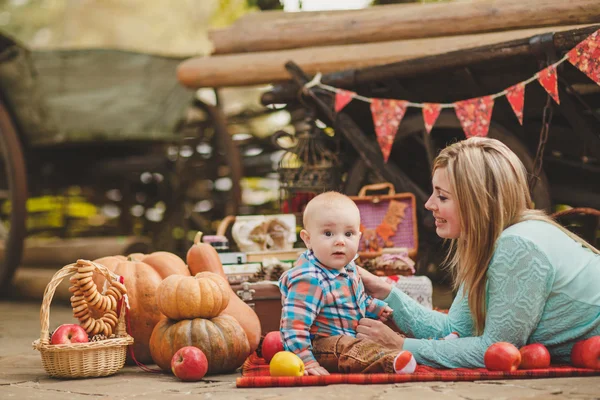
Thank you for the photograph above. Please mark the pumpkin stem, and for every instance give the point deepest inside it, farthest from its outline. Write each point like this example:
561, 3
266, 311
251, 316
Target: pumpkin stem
198, 237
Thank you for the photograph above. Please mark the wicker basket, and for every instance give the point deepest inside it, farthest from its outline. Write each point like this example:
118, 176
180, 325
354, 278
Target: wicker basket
81, 360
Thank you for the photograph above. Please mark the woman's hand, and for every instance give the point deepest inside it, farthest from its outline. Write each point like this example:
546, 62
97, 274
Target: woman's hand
374, 285
380, 333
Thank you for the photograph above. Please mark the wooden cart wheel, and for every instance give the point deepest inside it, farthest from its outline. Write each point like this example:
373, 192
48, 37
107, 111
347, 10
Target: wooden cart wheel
13, 197
220, 160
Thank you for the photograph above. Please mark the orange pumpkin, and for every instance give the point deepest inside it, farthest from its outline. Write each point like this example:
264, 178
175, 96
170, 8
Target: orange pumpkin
186, 297
142, 274
203, 257
222, 340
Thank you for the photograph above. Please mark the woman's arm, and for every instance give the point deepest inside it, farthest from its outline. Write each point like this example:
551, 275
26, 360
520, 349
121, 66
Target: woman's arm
412, 317
422, 323
520, 279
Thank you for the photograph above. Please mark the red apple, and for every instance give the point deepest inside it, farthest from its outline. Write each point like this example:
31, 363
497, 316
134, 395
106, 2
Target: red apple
502, 356
69, 333
271, 345
533, 356
189, 364
590, 353
576, 360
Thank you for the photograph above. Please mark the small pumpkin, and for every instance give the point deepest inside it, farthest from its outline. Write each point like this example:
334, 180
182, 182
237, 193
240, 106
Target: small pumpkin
187, 297
142, 274
222, 340
203, 257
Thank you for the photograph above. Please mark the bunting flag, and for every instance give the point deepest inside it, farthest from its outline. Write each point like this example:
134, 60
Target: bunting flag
387, 115
549, 81
516, 97
431, 112
586, 56
342, 98
475, 115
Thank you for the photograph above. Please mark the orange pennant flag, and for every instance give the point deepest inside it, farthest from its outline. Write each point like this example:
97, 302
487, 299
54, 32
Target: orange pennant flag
387, 115
431, 112
342, 98
586, 56
549, 81
516, 97
475, 115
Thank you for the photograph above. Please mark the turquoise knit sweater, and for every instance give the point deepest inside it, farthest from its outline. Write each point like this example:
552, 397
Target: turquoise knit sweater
542, 287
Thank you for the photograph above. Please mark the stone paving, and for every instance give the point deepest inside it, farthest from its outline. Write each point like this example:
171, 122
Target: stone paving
23, 377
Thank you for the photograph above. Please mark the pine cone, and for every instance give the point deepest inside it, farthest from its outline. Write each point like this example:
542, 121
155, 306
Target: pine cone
259, 276
276, 272
98, 337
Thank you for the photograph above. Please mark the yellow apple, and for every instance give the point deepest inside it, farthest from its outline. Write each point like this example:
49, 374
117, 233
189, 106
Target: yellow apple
286, 363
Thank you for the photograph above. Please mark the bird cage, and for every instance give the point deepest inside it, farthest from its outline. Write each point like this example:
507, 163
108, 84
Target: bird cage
307, 168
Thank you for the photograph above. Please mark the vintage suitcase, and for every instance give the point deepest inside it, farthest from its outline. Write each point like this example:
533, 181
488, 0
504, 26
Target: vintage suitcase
389, 221
265, 299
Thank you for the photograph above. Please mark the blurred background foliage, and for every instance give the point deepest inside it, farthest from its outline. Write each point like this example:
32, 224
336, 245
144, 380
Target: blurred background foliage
169, 28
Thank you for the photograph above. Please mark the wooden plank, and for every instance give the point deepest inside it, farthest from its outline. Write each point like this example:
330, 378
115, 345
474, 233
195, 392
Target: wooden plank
267, 67
399, 22
413, 68
253, 19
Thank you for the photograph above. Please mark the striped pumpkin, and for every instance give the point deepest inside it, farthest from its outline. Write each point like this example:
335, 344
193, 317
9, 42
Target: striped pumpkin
222, 340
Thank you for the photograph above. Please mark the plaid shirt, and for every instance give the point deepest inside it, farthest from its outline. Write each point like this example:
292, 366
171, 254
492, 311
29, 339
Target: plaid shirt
318, 301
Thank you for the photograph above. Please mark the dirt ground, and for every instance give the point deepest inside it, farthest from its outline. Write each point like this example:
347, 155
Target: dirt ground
23, 377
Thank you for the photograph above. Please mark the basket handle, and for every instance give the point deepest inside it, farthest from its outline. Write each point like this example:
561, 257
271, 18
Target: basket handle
577, 210
53, 284
225, 224
377, 186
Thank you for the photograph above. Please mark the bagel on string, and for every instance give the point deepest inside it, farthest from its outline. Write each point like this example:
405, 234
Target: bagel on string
86, 297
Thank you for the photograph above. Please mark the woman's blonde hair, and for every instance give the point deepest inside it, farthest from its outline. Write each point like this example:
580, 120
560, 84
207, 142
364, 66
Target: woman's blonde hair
489, 184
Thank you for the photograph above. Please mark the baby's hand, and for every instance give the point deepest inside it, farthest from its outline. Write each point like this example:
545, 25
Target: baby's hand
315, 369
386, 314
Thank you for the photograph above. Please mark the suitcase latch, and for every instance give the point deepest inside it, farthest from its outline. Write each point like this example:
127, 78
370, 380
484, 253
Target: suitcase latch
246, 294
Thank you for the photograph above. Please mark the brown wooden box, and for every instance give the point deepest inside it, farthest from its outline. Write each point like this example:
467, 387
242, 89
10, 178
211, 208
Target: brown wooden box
265, 299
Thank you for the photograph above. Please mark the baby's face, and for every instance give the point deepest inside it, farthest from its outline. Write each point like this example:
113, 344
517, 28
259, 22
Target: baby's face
333, 234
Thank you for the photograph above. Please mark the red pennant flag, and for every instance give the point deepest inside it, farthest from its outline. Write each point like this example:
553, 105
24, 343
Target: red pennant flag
431, 112
342, 98
475, 115
549, 81
516, 97
586, 56
387, 115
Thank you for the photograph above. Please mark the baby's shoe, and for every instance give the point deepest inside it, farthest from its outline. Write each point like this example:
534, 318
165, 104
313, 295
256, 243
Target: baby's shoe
405, 363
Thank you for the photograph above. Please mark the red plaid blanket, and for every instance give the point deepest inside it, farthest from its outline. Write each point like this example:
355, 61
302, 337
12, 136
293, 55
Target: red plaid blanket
255, 373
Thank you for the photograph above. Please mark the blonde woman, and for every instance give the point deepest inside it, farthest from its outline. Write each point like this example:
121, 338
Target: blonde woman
520, 277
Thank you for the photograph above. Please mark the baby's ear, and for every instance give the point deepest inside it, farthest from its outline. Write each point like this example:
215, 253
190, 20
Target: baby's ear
304, 235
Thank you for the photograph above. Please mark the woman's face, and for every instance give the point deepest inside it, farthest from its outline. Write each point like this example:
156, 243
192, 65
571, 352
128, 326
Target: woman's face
444, 206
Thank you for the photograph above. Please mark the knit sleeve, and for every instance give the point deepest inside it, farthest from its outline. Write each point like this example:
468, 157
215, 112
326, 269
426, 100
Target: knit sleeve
420, 322
520, 278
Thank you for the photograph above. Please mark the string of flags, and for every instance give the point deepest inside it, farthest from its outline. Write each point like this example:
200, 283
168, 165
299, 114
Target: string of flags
474, 114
